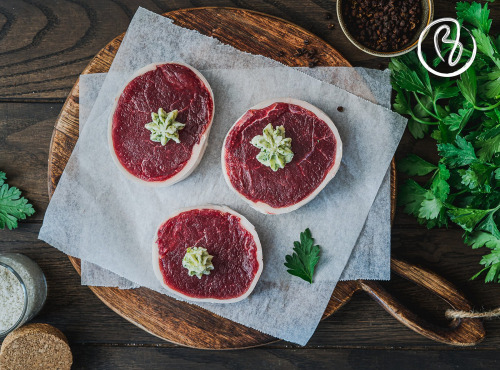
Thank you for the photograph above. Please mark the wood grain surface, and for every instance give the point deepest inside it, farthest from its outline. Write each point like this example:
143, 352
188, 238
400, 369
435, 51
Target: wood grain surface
45, 46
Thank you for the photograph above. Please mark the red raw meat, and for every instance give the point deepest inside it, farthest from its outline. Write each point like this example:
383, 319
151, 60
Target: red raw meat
228, 236
317, 152
169, 86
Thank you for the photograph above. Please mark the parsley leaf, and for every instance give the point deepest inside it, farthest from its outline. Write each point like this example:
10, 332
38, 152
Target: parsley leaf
460, 155
491, 89
491, 118
468, 85
467, 218
446, 90
411, 195
480, 239
478, 177
439, 186
474, 14
469, 178
430, 207
410, 75
13, 207
411, 81
417, 129
491, 263
401, 104
305, 257
484, 44
458, 121
489, 225
490, 144
414, 165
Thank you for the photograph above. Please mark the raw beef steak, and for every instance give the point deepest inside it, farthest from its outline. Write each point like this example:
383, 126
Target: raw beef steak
316, 147
227, 236
170, 86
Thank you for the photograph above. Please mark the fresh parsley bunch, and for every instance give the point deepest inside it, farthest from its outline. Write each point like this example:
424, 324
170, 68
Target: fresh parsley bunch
463, 115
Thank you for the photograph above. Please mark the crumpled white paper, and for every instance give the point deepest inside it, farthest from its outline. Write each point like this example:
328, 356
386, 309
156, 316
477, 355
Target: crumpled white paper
370, 258
98, 215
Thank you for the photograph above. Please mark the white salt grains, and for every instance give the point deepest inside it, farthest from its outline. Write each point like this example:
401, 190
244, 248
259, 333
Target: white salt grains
11, 299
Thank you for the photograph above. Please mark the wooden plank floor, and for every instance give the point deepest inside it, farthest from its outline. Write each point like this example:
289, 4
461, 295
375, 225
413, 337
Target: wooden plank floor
44, 45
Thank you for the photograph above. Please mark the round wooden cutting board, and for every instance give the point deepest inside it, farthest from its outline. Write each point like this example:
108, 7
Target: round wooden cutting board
165, 317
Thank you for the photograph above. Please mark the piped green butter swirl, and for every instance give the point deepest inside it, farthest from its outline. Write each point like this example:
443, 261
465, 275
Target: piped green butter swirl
197, 261
275, 148
164, 127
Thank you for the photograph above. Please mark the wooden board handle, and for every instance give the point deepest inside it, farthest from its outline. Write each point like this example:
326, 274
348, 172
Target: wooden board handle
460, 332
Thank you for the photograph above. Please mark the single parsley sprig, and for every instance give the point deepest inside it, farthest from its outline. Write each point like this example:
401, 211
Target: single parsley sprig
463, 116
13, 207
305, 257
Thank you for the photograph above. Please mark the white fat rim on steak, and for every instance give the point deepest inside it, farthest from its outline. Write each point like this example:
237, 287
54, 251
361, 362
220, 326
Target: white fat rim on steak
264, 207
198, 149
244, 223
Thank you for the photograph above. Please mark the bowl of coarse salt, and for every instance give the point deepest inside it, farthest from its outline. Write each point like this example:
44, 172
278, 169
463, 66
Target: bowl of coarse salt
23, 291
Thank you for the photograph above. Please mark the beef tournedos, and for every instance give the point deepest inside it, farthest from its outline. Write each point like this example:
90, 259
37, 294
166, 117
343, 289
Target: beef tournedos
160, 123
226, 236
310, 147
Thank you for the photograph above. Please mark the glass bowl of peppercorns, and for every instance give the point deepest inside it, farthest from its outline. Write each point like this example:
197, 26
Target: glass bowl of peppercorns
384, 28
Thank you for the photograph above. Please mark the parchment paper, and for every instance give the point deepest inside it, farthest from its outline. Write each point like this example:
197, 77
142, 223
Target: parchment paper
370, 258
98, 215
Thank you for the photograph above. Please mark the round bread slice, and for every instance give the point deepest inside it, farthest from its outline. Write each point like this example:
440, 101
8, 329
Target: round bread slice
226, 235
317, 152
170, 86
35, 346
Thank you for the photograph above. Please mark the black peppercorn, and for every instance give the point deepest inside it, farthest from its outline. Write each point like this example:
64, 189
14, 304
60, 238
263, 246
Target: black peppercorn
311, 53
299, 52
383, 25
340, 109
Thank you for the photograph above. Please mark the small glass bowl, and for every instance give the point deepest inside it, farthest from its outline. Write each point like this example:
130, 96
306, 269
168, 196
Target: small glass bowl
32, 282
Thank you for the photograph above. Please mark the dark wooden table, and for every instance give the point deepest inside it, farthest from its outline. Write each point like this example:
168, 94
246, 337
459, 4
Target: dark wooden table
44, 45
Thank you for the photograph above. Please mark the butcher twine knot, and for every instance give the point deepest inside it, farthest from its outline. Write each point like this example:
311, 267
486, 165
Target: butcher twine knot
457, 314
